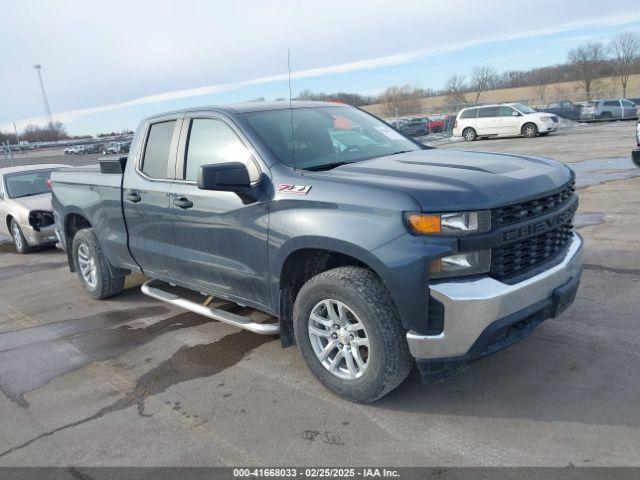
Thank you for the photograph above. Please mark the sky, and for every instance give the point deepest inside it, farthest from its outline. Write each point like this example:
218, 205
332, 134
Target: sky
107, 65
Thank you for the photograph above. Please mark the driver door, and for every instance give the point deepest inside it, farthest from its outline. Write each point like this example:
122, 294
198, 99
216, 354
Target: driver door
220, 238
509, 121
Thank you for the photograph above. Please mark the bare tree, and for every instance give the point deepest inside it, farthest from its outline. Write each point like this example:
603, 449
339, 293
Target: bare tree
586, 61
483, 79
454, 88
625, 49
403, 100
541, 78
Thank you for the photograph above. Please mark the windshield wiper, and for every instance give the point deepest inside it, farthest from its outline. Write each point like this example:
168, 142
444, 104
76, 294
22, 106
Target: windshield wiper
326, 166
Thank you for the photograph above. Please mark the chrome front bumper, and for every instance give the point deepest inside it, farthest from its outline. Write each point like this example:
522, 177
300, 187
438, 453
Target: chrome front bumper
470, 307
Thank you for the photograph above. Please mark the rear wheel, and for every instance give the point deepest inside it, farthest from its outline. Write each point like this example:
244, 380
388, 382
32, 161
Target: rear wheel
530, 130
19, 240
469, 134
349, 333
92, 267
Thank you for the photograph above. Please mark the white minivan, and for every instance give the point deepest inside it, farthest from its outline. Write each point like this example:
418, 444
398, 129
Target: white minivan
506, 119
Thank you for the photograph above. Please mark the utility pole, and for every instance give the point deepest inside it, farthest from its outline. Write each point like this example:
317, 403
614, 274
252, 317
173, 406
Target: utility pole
47, 110
16, 130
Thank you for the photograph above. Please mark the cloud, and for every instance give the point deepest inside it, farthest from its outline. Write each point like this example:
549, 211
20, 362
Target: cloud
155, 62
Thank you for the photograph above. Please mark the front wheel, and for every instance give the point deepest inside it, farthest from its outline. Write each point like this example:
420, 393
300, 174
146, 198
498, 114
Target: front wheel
349, 333
19, 240
92, 267
530, 130
469, 134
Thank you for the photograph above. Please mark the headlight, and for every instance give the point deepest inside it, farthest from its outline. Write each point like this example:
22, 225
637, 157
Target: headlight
469, 263
461, 223
547, 119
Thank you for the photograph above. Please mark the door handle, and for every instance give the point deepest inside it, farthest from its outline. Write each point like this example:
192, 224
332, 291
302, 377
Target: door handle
133, 197
183, 203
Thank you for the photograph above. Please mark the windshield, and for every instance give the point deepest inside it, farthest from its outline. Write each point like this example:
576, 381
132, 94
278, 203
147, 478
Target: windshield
26, 184
523, 108
325, 137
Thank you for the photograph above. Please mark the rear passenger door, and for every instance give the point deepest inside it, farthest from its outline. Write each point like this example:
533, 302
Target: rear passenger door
487, 121
146, 188
220, 238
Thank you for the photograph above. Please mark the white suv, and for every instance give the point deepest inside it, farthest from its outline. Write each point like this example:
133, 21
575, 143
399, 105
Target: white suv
508, 119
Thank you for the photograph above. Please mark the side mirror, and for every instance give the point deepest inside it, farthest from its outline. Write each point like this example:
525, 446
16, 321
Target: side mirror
515, 114
225, 177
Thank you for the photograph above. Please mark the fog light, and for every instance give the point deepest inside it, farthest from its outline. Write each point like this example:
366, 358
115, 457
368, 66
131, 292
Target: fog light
468, 263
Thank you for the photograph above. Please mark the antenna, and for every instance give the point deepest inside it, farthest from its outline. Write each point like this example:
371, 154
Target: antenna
293, 145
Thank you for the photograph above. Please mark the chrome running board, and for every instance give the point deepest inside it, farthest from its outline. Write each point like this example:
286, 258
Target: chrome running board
152, 289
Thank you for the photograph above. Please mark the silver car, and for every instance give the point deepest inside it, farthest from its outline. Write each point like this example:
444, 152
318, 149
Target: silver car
25, 206
609, 109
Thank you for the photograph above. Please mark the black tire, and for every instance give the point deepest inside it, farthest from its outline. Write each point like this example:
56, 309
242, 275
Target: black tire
106, 284
19, 240
388, 357
469, 134
530, 130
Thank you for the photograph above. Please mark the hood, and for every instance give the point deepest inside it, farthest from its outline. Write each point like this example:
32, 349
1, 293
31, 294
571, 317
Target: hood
36, 202
454, 180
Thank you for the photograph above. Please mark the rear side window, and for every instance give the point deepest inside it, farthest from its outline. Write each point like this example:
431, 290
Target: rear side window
488, 112
213, 141
611, 103
156, 152
471, 113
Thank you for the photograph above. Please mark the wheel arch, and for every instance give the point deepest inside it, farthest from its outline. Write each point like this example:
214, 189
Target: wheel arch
72, 224
305, 258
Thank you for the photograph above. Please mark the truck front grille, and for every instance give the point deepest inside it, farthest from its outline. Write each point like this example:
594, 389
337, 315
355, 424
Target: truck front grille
519, 212
521, 258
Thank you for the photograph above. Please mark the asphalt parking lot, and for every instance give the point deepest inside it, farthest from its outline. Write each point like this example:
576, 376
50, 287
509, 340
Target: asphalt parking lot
131, 381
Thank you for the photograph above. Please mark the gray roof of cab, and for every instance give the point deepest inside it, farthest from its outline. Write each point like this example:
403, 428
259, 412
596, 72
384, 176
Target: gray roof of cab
247, 107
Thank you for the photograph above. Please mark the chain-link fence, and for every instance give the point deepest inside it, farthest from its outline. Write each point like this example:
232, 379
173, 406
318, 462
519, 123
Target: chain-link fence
7, 156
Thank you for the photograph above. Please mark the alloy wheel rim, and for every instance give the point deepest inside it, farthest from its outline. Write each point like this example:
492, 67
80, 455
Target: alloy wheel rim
16, 235
87, 265
339, 339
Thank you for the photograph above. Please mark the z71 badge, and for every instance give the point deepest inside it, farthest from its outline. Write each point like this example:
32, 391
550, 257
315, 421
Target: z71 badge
296, 189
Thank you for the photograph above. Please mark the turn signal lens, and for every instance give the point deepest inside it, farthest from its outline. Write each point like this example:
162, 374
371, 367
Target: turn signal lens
459, 223
424, 224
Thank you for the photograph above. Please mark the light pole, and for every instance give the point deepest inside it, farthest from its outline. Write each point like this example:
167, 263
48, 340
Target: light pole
47, 110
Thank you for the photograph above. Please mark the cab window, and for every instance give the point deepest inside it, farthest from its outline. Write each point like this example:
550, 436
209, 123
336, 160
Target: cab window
155, 161
212, 141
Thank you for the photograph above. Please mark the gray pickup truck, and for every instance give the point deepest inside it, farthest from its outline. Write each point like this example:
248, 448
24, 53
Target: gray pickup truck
372, 251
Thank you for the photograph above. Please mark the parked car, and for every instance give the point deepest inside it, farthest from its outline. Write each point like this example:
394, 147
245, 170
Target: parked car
92, 148
635, 154
436, 123
609, 109
503, 120
370, 254
25, 206
564, 109
415, 127
124, 148
74, 150
111, 148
